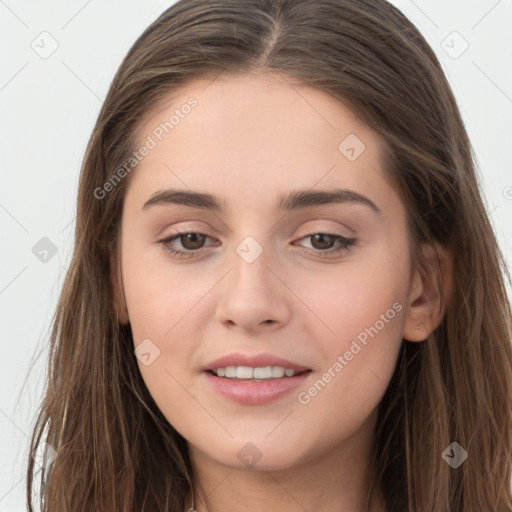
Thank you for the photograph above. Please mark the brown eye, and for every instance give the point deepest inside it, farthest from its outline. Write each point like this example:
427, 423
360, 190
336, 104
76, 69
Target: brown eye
192, 240
191, 243
322, 244
322, 240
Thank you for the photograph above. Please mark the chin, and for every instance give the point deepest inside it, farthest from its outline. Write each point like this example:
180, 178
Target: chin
257, 455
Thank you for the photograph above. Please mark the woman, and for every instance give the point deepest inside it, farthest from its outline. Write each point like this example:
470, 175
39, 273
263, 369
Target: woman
285, 291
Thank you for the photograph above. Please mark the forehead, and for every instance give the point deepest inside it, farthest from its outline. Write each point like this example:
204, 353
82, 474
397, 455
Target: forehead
249, 135
272, 104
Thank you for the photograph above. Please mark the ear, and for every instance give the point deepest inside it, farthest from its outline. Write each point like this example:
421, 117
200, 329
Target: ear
117, 287
429, 293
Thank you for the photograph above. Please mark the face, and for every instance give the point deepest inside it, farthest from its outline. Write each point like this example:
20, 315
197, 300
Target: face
298, 258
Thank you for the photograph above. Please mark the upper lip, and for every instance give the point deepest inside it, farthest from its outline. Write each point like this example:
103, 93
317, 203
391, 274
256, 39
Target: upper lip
254, 361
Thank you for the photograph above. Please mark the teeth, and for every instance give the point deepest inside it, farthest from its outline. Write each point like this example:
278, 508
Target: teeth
230, 372
244, 372
262, 373
247, 372
277, 372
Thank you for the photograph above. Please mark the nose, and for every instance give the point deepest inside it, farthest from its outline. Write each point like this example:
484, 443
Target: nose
253, 296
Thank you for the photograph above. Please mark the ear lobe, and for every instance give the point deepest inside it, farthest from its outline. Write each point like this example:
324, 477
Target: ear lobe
117, 287
430, 293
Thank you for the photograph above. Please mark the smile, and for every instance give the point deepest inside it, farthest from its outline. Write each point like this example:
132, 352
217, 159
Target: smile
252, 390
248, 372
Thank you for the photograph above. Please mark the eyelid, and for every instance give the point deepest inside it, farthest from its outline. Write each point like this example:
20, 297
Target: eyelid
348, 243
307, 231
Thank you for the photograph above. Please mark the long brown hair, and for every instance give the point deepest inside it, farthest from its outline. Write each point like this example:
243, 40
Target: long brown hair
116, 452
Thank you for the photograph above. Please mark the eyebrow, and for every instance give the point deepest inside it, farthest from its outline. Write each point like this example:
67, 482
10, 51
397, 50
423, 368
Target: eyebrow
296, 200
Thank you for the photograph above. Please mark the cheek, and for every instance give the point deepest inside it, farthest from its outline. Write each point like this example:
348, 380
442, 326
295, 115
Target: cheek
357, 295
360, 354
162, 303
165, 340
160, 294
361, 306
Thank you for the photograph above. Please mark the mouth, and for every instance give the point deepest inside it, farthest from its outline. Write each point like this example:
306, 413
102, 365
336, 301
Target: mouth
256, 374
255, 385
254, 379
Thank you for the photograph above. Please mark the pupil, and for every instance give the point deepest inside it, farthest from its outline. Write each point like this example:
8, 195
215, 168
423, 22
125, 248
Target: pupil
322, 235
189, 237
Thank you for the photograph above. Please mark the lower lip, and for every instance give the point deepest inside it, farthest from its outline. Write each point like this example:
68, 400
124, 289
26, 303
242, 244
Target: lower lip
250, 392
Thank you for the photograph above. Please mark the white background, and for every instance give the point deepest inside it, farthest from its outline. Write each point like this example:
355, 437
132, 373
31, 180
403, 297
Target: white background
48, 107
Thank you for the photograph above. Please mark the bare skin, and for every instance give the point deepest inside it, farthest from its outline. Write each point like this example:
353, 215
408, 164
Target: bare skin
249, 141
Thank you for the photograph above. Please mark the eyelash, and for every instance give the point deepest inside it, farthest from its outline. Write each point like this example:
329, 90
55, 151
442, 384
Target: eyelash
348, 244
